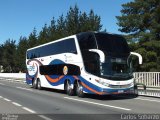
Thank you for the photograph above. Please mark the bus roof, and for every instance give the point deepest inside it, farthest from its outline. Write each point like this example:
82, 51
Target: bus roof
72, 36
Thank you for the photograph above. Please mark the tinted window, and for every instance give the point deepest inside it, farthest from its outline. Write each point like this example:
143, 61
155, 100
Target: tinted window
58, 69
65, 46
86, 41
91, 62
114, 44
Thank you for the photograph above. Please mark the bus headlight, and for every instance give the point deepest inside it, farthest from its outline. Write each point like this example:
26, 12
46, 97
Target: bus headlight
102, 82
132, 84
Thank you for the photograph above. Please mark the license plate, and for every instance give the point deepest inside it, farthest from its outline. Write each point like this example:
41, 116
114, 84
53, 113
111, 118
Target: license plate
120, 91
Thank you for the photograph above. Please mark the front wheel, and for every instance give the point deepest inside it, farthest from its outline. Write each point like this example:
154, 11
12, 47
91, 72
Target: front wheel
135, 91
79, 90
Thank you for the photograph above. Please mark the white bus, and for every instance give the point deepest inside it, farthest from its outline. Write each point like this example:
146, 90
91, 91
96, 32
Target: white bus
89, 62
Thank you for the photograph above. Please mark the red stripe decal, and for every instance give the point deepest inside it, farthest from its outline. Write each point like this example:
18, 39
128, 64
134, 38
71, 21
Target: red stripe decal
76, 77
53, 80
99, 93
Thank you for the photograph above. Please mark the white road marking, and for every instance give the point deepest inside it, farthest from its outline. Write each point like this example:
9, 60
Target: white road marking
13, 80
147, 100
29, 110
2, 84
25, 108
7, 99
24, 88
44, 117
17, 104
104, 105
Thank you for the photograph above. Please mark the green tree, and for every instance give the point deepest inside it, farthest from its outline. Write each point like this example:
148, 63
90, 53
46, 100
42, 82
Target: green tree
61, 27
32, 39
9, 56
83, 22
78, 21
94, 22
140, 19
43, 35
21, 53
72, 20
1, 57
1, 53
52, 30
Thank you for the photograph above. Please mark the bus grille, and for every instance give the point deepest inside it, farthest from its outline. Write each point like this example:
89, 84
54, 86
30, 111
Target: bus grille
120, 86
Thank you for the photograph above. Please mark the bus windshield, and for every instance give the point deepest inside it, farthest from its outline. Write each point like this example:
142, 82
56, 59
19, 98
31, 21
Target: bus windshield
116, 50
116, 68
117, 65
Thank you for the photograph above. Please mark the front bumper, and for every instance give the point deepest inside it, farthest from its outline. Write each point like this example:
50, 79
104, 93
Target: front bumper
118, 91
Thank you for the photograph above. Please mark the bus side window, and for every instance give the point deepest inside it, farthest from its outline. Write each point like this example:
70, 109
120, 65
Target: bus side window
91, 62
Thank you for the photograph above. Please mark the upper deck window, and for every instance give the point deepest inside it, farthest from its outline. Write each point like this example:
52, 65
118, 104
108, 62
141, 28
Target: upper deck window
65, 46
86, 41
112, 44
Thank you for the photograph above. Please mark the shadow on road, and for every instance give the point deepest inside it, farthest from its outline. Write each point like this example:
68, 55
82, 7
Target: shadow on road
111, 97
97, 97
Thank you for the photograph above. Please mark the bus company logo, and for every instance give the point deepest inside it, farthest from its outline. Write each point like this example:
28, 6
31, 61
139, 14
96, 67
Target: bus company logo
65, 70
32, 69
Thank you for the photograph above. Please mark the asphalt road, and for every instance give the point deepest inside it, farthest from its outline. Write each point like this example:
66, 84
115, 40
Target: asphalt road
19, 101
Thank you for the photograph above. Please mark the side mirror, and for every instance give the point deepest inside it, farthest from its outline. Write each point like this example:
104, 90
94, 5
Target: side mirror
138, 55
100, 53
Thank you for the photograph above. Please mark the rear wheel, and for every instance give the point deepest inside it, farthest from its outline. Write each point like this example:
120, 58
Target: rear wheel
79, 90
68, 88
39, 84
34, 83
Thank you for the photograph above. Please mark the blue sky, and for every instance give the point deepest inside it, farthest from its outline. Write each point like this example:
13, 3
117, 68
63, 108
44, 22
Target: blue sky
19, 17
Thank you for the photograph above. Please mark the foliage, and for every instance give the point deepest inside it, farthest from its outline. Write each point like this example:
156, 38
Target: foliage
140, 19
21, 54
9, 56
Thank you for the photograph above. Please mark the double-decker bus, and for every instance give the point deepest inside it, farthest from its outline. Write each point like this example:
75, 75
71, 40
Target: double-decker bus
89, 62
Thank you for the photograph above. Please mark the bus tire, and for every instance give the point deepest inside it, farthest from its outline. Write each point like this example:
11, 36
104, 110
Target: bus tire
39, 87
34, 84
69, 89
79, 90
135, 91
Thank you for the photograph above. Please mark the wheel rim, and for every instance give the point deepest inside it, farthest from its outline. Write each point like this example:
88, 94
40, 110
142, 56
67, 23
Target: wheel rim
34, 83
79, 89
39, 85
69, 88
